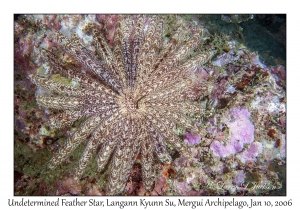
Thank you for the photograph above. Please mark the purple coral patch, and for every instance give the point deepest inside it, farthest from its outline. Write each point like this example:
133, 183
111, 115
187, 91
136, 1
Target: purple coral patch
241, 131
225, 150
251, 153
220, 150
240, 113
192, 139
240, 178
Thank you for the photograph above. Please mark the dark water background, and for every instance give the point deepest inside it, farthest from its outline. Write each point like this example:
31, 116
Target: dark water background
261, 33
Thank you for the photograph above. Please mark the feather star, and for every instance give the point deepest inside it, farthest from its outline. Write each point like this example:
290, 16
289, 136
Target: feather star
130, 97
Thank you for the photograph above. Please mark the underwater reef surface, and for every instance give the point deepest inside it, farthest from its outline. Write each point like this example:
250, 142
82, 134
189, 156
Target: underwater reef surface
207, 115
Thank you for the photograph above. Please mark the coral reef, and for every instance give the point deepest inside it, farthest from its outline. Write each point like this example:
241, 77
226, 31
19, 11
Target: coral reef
139, 91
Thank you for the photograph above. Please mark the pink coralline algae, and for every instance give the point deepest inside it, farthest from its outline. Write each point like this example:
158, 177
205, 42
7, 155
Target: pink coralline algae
250, 154
67, 186
227, 58
279, 71
240, 178
256, 61
192, 139
241, 132
52, 21
242, 129
110, 21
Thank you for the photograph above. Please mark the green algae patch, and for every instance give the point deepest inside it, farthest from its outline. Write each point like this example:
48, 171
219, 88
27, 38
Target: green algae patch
63, 80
